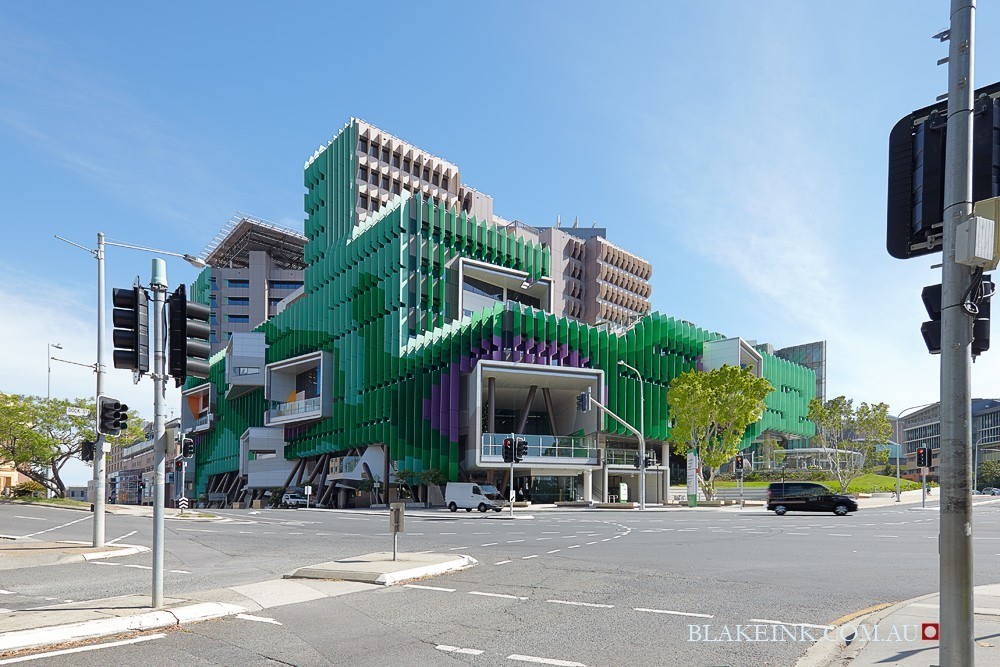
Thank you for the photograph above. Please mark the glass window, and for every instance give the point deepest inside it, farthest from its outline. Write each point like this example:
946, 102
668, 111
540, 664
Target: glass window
437, 179
374, 150
385, 154
363, 173
284, 284
238, 319
237, 283
375, 204
385, 182
427, 174
238, 300
406, 165
396, 187
363, 201
374, 179
395, 160
247, 370
444, 182
363, 145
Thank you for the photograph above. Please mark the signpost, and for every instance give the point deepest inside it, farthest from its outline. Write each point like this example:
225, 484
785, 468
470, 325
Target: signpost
77, 412
182, 503
692, 478
396, 514
309, 492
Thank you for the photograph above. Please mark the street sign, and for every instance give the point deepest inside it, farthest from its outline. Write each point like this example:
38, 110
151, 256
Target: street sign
182, 503
309, 490
396, 512
693, 471
77, 412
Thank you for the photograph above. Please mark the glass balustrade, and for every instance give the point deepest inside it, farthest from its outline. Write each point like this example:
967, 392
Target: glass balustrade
580, 449
295, 407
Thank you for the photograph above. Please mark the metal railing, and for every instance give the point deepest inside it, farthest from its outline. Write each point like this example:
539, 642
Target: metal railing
295, 407
581, 449
344, 464
202, 422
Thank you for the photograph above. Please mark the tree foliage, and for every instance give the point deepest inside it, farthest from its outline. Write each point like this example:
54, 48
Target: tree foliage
711, 411
851, 436
36, 434
989, 475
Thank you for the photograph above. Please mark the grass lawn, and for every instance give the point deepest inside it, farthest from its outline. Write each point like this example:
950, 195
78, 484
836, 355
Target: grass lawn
863, 484
61, 502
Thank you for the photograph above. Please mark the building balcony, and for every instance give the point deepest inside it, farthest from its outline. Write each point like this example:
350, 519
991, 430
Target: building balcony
244, 363
298, 389
197, 408
545, 449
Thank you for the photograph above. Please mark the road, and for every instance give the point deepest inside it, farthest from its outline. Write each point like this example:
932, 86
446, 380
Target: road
583, 587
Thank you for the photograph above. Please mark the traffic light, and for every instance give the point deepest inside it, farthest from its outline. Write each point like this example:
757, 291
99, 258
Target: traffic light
520, 450
131, 334
189, 334
87, 450
916, 172
113, 415
922, 457
647, 462
739, 462
187, 448
508, 450
179, 465
636, 463
931, 330
583, 402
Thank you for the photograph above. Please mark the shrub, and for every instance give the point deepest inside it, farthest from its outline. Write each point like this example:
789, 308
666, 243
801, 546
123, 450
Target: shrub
27, 489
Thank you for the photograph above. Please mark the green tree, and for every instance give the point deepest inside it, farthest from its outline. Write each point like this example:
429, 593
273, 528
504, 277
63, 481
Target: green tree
989, 474
769, 445
711, 412
37, 435
851, 437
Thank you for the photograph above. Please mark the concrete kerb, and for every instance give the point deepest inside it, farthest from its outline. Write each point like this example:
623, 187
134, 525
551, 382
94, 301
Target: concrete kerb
377, 569
125, 550
828, 653
105, 627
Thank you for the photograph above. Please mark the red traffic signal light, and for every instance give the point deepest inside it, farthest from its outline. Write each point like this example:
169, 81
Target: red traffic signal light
508, 450
739, 462
923, 460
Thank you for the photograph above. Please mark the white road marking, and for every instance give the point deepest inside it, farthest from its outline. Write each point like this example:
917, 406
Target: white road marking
673, 613
456, 649
101, 562
47, 530
589, 543
892, 536
259, 619
33, 518
545, 661
550, 532
447, 533
457, 548
838, 534
497, 595
804, 625
513, 541
198, 530
179, 571
553, 551
503, 562
582, 604
527, 557
575, 546
539, 539
296, 533
81, 649
796, 533
119, 539
430, 588
489, 544
3, 592
139, 567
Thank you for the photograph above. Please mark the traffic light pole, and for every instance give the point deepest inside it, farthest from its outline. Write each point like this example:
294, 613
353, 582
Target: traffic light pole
99, 456
642, 438
957, 636
159, 286
513, 494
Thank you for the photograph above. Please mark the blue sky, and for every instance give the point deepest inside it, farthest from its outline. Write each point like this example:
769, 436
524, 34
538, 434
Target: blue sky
740, 147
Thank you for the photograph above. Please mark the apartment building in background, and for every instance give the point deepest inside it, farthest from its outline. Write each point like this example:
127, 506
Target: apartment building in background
923, 429
254, 265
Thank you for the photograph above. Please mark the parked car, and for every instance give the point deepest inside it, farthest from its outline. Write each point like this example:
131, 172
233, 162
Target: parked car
807, 497
470, 496
294, 500
977, 492
991, 491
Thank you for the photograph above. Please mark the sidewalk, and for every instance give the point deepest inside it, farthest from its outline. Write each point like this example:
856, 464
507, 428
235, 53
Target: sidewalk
903, 634
39, 627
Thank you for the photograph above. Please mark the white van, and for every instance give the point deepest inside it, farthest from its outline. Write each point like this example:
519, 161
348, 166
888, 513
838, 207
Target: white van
470, 496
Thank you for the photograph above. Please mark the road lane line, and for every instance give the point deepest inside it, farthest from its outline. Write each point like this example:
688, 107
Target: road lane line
553, 551
430, 588
33, 518
489, 544
589, 543
139, 567
503, 562
456, 649
527, 557
457, 548
583, 604
673, 613
259, 619
796, 533
838, 535
513, 541
81, 649
545, 661
804, 625
119, 539
497, 595
47, 530
575, 546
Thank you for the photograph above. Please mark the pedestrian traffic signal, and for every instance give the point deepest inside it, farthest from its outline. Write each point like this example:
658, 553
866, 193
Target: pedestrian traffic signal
520, 450
187, 448
739, 462
583, 402
508, 450
179, 465
189, 334
980, 296
922, 458
87, 450
131, 333
112, 415
916, 172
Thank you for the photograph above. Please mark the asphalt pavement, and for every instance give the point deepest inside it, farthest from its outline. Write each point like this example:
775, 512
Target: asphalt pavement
580, 587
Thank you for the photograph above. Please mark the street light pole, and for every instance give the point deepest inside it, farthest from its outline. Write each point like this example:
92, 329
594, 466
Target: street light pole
642, 435
158, 284
899, 434
48, 391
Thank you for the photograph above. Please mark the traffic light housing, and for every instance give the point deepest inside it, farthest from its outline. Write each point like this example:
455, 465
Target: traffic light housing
189, 334
647, 462
922, 458
636, 461
583, 402
739, 462
87, 450
916, 172
508, 450
931, 330
187, 448
520, 450
179, 465
131, 333
112, 415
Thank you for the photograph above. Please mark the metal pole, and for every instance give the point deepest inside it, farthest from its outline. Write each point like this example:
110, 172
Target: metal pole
513, 494
99, 458
158, 284
642, 437
957, 632
923, 488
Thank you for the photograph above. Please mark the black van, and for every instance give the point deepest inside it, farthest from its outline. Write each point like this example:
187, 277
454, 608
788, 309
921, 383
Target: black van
807, 497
